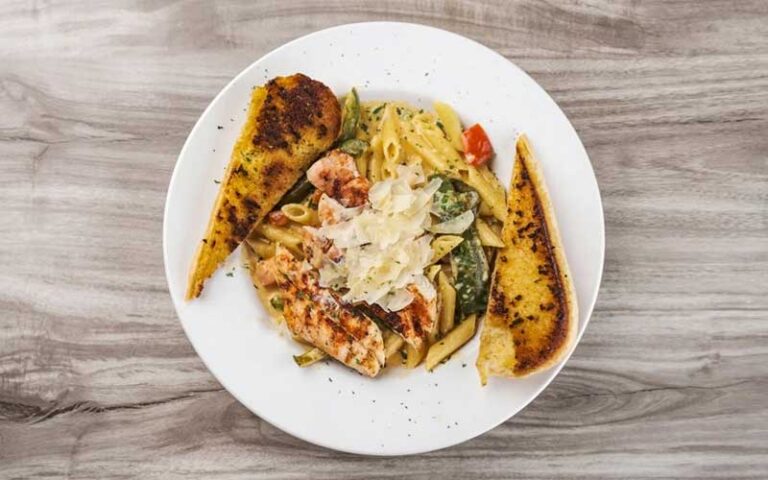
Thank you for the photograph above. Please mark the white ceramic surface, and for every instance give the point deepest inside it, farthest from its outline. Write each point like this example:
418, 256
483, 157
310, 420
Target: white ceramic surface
402, 412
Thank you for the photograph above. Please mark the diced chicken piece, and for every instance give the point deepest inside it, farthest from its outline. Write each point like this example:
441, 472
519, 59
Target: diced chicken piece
329, 211
278, 218
317, 317
263, 272
317, 249
336, 167
336, 175
355, 192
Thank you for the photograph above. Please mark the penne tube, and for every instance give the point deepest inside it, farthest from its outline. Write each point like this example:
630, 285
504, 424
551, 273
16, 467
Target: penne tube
451, 342
362, 163
414, 356
376, 161
485, 210
284, 236
488, 237
488, 191
451, 124
392, 346
432, 272
280, 235
298, 212
390, 136
442, 246
259, 248
447, 303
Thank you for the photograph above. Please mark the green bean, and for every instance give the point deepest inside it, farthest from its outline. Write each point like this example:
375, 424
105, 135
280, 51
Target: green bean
354, 147
350, 117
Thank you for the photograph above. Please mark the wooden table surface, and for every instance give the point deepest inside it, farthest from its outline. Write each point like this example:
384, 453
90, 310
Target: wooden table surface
97, 379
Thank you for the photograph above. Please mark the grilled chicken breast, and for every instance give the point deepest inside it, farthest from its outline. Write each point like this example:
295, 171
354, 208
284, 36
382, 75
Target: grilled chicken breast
291, 121
532, 316
316, 316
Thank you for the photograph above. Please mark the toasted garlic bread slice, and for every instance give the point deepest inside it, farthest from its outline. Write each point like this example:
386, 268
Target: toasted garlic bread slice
532, 315
291, 121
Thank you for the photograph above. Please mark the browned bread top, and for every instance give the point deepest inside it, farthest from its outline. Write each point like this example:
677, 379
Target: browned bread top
532, 315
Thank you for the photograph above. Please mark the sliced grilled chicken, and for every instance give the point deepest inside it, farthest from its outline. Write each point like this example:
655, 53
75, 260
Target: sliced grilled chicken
316, 316
317, 250
413, 323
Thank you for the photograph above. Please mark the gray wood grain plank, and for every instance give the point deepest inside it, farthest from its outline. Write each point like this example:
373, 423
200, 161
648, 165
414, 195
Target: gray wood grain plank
97, 380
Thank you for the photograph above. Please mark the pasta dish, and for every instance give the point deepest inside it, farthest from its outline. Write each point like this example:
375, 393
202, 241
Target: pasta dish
376, 234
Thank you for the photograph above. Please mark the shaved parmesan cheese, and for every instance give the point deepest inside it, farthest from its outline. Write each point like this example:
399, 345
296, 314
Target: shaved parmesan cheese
385, 244
456, 225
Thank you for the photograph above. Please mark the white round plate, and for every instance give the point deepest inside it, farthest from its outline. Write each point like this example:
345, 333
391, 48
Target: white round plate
402, 411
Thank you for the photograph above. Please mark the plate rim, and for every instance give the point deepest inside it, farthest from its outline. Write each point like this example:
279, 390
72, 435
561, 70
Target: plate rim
555, 371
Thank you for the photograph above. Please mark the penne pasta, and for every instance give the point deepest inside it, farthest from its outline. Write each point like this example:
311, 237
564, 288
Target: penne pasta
298, 212
278, 234
429, 156
392, 346
376, 160
437, 148
451, 124
415, 157
493, 183
442, 246
488, 237
451, 342
485, 210
413, 356
432, 272
281, 235
390, 137
490, 191
362, 163
262, 249
447, 296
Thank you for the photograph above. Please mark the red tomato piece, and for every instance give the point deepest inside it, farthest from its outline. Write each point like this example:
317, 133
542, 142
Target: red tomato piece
477, 146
